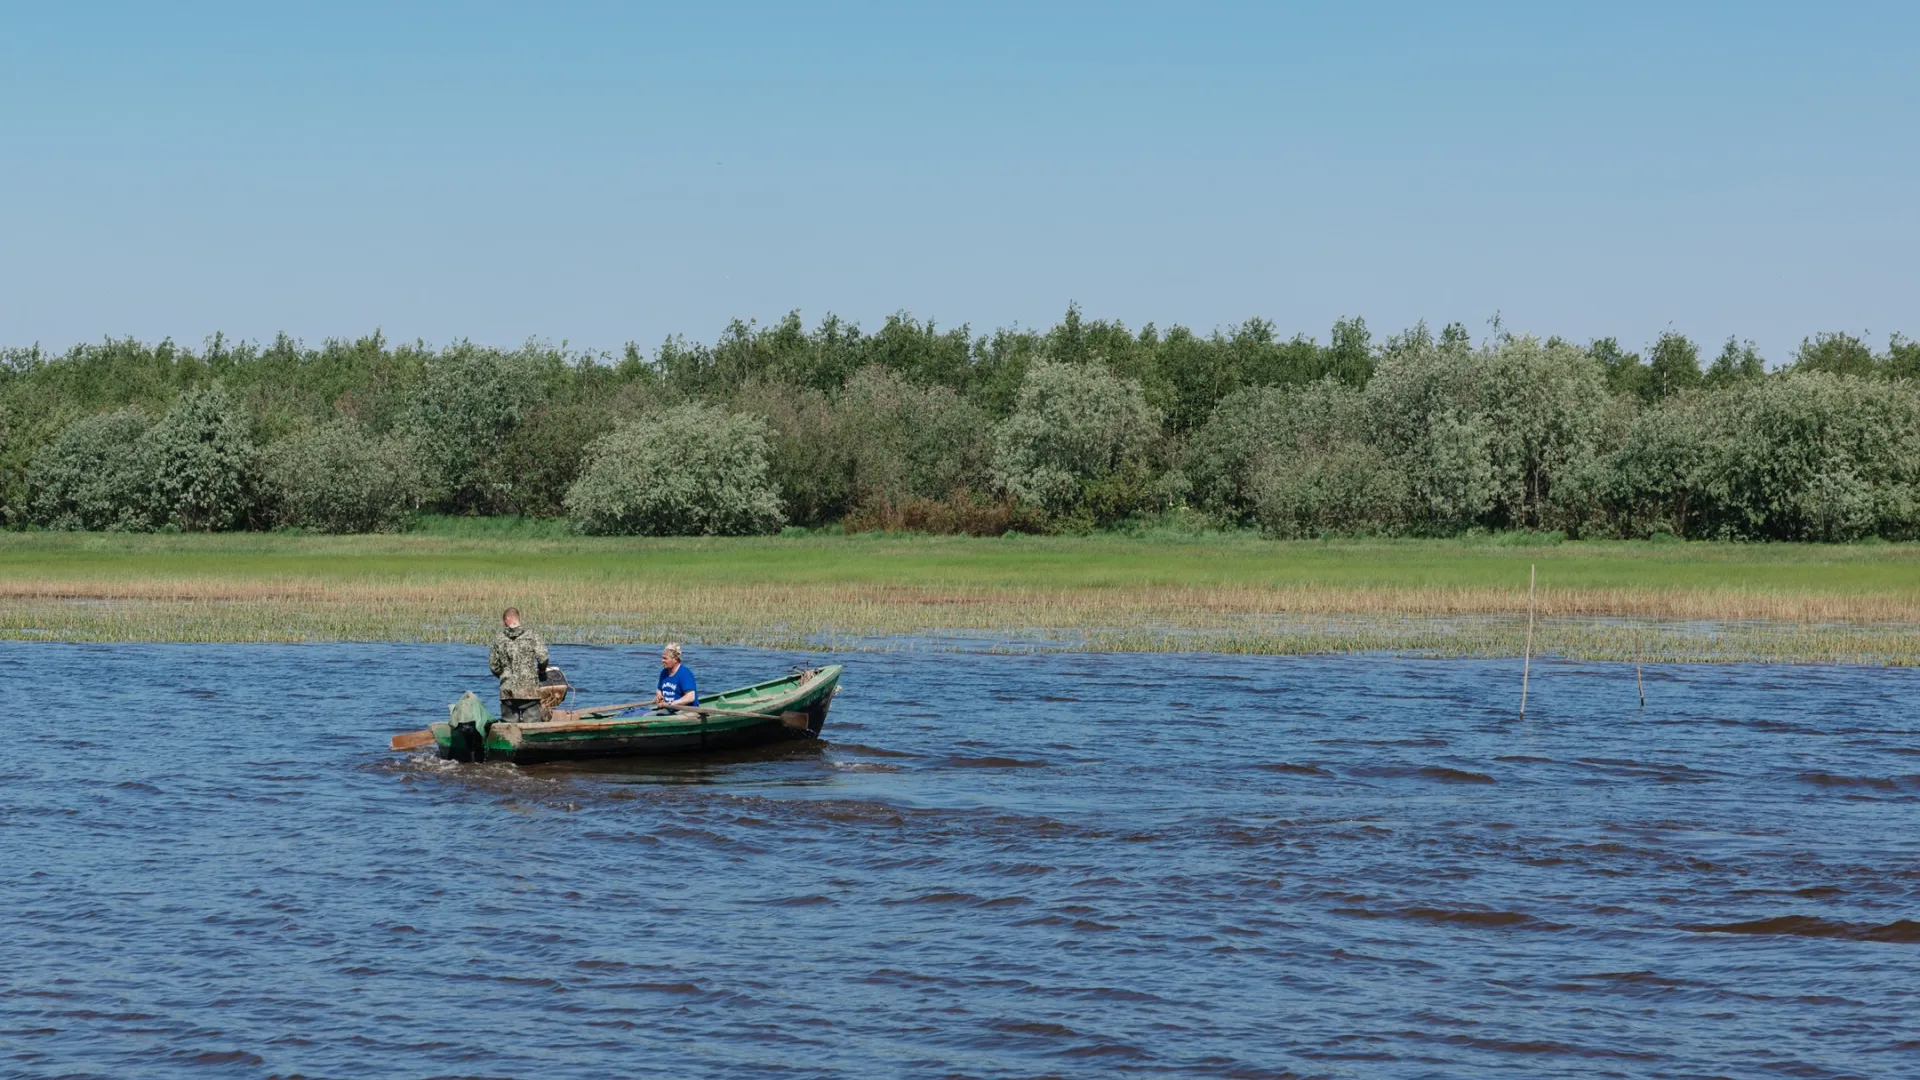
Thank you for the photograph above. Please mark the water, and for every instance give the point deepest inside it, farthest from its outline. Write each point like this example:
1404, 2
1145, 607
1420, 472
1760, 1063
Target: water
1060, 865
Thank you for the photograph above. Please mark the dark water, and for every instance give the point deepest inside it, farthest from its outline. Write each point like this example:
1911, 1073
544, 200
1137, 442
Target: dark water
1069, 865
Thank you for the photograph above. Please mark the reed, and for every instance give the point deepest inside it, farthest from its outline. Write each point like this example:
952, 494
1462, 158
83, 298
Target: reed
1224, 594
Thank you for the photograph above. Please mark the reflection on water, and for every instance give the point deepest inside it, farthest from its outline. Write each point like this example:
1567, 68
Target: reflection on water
1067, 865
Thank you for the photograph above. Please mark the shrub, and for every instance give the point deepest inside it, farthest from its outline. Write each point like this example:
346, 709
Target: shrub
1813, 456
691, 471
1801, 456
908, 441
809, 461
961, 512
341, 478
1649, 482
1483, 435
93, 475
1310, 467
1222, 458
202, 463
883, 441
1076, 443
468, 403
529, 472
1251, 427
15, 459
1348, 488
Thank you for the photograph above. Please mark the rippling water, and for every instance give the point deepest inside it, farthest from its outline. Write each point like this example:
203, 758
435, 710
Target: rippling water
1071, 865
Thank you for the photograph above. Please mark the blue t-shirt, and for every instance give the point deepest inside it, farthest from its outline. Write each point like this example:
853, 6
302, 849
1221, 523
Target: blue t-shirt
679, 683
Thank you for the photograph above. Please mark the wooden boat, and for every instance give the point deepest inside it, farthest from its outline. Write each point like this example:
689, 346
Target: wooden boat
794, 707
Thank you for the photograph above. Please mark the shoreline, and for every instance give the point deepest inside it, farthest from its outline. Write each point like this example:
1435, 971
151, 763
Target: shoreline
1222, 593
1466, 636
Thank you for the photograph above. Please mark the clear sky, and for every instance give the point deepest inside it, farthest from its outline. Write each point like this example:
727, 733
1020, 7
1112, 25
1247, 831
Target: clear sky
601, 173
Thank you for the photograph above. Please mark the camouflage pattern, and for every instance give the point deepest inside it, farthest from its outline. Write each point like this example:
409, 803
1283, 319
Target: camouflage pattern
515, 658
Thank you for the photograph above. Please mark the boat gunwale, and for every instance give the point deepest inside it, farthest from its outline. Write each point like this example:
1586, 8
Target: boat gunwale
673, 723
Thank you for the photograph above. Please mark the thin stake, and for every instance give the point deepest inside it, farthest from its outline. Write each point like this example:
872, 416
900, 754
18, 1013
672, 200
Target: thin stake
1637, 680
1526, 664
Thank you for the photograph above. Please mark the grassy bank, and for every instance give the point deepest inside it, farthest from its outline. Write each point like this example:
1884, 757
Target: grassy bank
1222, 592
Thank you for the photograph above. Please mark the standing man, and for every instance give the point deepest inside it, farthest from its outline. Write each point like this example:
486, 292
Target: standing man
676, 679
519, 659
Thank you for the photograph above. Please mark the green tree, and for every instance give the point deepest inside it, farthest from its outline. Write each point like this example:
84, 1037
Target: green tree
1623, 371
1738, 361
1903, 358
467, 404
1349, 356
1836, 354
1673, 367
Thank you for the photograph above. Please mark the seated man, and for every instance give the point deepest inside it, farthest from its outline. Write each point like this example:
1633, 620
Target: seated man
519, 659
677, 686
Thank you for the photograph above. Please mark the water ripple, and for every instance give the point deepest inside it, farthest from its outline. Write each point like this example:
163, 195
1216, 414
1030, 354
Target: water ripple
996, 866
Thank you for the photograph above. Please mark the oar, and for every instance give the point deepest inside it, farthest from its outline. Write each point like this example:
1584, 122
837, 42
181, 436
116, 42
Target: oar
602, 711
791, 717
412, 740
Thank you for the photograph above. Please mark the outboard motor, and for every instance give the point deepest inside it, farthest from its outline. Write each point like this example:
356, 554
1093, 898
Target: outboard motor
553, 687
469, 720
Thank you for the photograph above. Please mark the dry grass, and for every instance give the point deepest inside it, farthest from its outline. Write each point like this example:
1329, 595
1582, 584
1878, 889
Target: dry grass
1103, 594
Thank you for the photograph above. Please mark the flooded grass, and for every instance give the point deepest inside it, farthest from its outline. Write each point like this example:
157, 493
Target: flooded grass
1225, 593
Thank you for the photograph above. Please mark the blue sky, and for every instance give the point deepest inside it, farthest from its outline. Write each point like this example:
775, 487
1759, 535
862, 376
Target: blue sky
606, 173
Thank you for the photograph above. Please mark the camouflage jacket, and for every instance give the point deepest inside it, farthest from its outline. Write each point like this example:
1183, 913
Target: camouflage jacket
516, 657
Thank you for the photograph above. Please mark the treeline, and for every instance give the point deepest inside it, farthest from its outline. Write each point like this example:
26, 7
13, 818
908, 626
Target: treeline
1083, 425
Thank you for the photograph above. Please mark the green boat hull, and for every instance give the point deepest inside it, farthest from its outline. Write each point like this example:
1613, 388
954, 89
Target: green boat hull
781, 710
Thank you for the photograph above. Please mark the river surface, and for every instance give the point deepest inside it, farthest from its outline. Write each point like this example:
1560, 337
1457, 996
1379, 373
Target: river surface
994, 866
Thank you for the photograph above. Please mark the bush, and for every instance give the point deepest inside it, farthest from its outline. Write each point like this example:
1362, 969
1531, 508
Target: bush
692, 471
528, 472
809, 461
93, 475
1649, 482
1813, 456
882, 442
910, 442
1801, 456
1483, 435
1251, 427
341, 478
1320, 472
1222, 458
468, 404
1349, 488
961, 512
1077, 442
202, 464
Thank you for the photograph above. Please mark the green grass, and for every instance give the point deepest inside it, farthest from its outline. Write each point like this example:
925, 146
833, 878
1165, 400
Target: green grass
1156, 589
488, 547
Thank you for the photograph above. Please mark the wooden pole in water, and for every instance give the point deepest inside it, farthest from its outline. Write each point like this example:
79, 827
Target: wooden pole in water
1637, 680
1526, 663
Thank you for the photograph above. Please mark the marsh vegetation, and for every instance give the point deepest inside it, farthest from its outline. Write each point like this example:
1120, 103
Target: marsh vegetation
1157, 591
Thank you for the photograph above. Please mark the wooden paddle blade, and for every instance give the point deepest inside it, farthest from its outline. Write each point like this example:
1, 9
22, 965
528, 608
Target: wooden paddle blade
412, 740
798, 720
